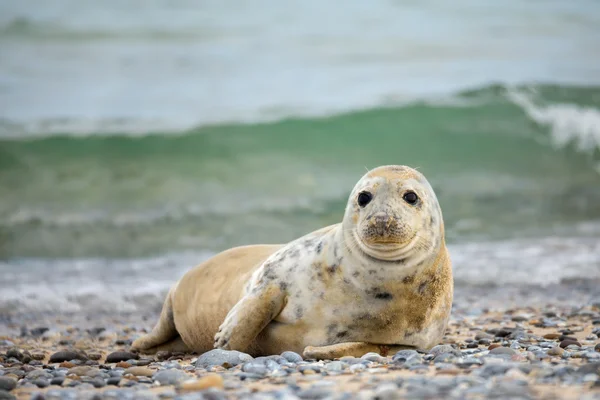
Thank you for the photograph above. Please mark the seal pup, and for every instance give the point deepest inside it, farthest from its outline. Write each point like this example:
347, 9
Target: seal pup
381, 280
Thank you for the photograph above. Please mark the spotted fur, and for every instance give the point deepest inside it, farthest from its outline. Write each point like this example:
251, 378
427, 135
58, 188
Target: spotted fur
380, 279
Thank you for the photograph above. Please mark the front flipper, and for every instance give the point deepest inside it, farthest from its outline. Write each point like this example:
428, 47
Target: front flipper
249, 317
353, 349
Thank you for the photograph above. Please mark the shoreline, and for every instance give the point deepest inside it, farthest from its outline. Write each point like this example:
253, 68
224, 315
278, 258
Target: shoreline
546, 347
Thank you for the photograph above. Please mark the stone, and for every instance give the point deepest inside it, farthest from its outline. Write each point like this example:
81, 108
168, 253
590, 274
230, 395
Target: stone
57, 380
373, 357
444, 348
445, 358
222, 357
170, 376
67, 355
7, 383
113, 380
205, 382
556, 351
387, 391
38, 374
4, 395
569, 342
292, 357
335, 366
255, 368
502, 350
139, 371
591, 368
117, 356
483, 335
552, 336
41, 383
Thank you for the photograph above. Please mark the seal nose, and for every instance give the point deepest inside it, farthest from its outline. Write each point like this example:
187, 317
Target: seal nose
380, 222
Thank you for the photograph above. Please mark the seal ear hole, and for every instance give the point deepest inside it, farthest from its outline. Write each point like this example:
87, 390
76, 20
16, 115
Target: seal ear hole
364, 198
410, 197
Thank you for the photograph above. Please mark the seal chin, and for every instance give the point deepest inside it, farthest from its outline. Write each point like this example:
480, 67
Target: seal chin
384, 250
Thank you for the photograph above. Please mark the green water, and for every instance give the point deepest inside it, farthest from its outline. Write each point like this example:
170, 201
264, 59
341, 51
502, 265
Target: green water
495, 170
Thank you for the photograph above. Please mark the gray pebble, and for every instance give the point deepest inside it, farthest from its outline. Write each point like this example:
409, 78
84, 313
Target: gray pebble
335, 366
493, 370
253, 368
67, 355
444, 348
170, 376
374, 357
38, 373
4, 395
291, 356
357, 367
114, 380
404, 355
57, 380
41, 383
387, 391
314, 393
445, 358
220, 357
7, 383
502, 350
118, 356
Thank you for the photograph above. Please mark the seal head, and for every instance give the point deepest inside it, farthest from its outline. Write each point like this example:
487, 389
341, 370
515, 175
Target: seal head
393, 215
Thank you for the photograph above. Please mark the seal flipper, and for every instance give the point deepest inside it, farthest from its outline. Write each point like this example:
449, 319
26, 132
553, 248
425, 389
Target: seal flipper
249, 317
354, 349
164, 331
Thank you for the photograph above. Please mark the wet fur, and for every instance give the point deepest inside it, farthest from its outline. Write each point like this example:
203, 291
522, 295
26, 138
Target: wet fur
322, 294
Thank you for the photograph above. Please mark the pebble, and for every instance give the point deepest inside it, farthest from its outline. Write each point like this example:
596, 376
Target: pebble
41, 383
4, 395
7, 383
292, 357
67, 355
569, 342
556, 351
139, 371
57, 380
38, 374
374, 357
387, 391
444, 348
335, 366
357, 367
170, 376
113, 380
502, 350
254, 368
222, 357
117, 356
208, 381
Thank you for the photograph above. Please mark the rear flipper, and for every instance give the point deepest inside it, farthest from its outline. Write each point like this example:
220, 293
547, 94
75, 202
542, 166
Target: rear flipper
354, 349
163, 333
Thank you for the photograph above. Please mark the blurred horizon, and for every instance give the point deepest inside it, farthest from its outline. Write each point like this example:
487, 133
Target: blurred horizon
139, 138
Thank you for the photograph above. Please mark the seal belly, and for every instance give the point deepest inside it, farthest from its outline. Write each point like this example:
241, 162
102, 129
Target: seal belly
208, 292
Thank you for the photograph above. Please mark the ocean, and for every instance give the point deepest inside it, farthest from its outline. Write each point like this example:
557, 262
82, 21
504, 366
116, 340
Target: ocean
139, 138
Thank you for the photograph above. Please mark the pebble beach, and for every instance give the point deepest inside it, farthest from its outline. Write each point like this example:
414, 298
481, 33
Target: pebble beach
501, 343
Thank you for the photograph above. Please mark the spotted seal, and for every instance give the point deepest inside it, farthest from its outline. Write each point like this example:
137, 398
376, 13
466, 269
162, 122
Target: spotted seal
381, 280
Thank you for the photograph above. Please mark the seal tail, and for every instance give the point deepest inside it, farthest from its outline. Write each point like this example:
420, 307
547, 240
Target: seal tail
163, 332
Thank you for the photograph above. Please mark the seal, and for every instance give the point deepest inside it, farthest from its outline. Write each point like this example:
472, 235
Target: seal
381, 280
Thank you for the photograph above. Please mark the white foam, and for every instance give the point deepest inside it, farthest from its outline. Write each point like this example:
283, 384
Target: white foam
568, 123
139, 285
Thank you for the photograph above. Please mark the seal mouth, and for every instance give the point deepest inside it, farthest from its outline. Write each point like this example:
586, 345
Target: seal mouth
384, 250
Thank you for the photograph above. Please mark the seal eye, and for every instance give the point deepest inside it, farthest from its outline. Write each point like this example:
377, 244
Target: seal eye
364, 198
410, 197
